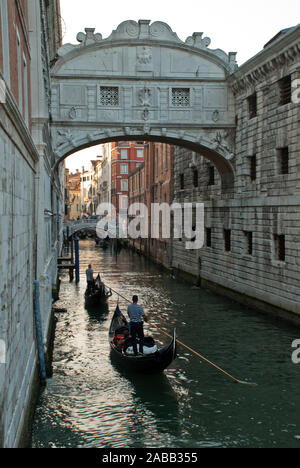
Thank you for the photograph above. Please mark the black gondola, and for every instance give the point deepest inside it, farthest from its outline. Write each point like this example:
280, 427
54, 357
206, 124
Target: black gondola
145, 364
103, 244
96, 294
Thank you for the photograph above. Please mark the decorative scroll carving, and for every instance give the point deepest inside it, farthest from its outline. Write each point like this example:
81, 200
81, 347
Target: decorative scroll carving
161, 30
89, 37
155, 32
197, 41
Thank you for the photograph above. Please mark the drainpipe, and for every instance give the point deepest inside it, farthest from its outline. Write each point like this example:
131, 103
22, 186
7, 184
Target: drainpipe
77, 273
39, 333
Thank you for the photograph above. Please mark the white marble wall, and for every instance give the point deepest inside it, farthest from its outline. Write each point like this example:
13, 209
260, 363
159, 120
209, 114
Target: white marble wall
16, 286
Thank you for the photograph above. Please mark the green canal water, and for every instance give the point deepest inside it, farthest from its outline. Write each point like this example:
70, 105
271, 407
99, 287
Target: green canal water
90, 403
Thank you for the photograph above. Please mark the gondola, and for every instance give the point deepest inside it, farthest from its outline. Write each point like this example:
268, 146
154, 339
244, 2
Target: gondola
97, 294
103, 244
145, 364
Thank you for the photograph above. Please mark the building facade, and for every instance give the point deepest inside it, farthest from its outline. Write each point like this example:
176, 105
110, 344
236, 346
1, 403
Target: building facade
87, 190
74, 195
251, 234
252, 240
152, 183
31, 204
125, 157
104, 179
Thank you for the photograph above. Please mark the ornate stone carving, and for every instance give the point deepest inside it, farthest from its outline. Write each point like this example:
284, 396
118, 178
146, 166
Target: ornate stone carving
72, 113
146, 114
197, 41
144, 59
64, 137
144, 96
147, 129
108, 132
126, 29
144, 31
145, 56
162, 30
222, 143
216, 116
89, 37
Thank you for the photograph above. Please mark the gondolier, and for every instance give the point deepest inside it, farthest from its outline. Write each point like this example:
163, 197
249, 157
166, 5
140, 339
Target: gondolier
96, 292
90, 277
137, 317
144, 363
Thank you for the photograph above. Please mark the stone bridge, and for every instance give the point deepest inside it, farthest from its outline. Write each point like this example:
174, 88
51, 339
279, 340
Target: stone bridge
144, 83
72, 227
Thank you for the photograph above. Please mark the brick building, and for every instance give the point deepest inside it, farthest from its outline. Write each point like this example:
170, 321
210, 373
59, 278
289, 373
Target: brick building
153, 183
15, 54
125, 157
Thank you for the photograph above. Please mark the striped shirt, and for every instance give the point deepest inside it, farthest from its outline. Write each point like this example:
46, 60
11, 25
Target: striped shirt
89, 274
135, 313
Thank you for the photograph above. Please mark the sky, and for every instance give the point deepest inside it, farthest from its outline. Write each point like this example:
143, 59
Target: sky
233, 25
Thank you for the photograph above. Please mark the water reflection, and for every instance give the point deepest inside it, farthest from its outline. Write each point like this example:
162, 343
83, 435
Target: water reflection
90, 403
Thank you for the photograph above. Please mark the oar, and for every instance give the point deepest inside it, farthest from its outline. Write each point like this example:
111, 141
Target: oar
193, 351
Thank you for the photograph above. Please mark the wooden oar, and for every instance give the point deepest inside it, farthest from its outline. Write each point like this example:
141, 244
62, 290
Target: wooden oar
192, 350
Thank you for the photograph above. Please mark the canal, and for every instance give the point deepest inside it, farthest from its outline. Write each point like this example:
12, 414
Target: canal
89, 403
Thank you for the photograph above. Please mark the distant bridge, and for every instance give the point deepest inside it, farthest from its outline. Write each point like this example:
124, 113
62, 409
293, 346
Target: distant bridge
72, 227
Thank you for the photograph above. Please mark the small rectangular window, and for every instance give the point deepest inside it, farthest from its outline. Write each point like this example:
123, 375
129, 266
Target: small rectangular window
124, 168
252, 106
280, 247
181, 97
195, 178
181, 181
253, 168
140, 153
109, 96
208, 237
227, 240
283, 160
249, 242
123, 154
211, 180
124, 185
123, 202
166, 157
285, 90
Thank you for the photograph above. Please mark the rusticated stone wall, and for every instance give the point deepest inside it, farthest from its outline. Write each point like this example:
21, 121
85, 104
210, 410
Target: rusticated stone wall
263, 217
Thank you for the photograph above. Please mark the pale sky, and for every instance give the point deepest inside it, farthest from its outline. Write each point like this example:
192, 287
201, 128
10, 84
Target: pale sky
233, 25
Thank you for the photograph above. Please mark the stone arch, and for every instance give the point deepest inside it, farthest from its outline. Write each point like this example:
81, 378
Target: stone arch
143, 82
212, 151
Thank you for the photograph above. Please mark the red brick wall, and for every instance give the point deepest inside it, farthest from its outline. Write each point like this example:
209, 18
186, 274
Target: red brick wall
17, 19
132, 161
